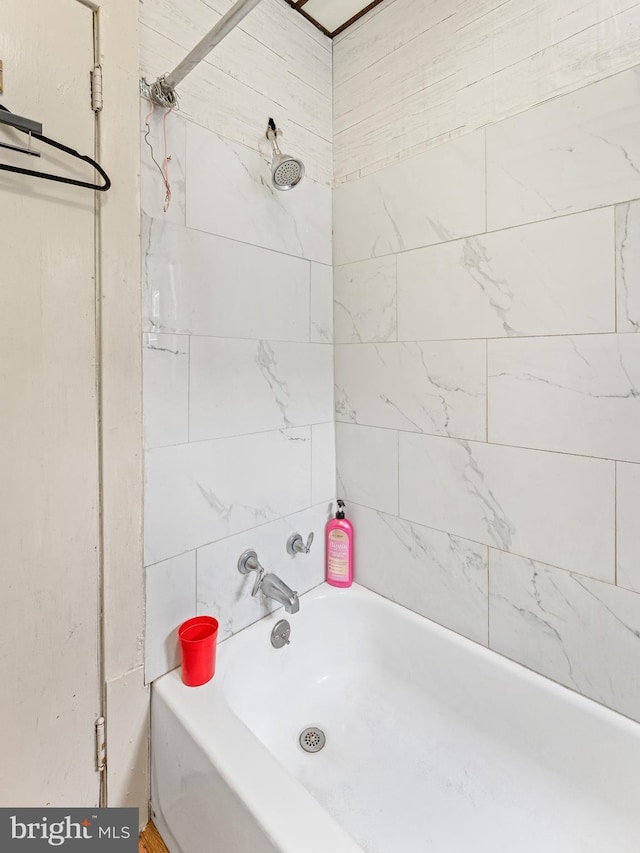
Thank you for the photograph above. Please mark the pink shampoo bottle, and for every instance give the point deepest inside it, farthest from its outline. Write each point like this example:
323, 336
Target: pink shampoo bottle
339, 549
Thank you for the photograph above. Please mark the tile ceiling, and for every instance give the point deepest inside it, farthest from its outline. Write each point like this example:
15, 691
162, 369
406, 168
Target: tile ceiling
332, 16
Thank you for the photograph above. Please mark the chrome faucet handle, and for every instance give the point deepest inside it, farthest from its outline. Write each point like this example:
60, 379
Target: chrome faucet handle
248, 562
295, 545
258, 582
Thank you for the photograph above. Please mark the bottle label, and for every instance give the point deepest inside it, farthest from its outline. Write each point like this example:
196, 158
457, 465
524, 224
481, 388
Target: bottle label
338, 556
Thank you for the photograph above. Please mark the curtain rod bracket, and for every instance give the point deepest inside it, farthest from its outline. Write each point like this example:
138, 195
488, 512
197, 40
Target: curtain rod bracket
162, 94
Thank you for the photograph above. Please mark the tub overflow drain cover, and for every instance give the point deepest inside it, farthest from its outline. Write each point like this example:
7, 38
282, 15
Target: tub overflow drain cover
312, 739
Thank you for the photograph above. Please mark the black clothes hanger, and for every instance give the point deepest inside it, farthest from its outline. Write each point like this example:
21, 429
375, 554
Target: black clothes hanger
25, 126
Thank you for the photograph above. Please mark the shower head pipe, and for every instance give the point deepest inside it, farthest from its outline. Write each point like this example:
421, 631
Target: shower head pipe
163, 90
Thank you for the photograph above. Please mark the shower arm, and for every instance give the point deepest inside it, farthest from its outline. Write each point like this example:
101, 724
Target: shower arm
272, 136
163, 90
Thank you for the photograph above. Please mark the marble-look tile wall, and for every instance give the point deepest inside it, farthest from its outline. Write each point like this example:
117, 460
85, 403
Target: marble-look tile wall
238, 320
413, 74
487, 304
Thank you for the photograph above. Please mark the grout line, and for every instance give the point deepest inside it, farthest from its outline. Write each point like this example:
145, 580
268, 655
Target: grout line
397, 336
615, 267
452, 438
532, 336
242, 532
394, 55
398, 467
195, 603
187, 185
487, 232
474, 21
486, 387
486, 185
459, 439
376, 343
258, 246
265, 338
488, 597
311, 466
189, 389
282, 430
491, 547
541, 51
309, 291
615, 522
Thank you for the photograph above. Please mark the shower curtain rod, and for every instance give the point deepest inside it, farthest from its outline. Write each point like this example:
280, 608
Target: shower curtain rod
163, 90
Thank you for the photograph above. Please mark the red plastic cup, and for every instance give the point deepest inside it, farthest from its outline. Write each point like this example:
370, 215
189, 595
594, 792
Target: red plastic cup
198, 649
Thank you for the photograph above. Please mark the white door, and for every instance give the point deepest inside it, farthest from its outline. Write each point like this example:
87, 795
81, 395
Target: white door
49, 472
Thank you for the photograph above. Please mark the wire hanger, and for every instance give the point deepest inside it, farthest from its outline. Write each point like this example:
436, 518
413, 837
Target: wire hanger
27, 126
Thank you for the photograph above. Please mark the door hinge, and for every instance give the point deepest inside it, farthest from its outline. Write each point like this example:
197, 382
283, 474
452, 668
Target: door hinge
101, 748
96, 88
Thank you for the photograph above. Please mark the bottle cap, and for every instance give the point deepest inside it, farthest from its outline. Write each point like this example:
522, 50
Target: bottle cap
340, 513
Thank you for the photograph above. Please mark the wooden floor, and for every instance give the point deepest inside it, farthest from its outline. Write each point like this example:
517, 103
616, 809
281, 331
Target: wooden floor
150, 840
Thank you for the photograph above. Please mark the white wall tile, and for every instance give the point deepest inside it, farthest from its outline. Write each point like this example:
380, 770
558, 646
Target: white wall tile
321, 303
152, 188
199, 284
323, 463
367, 463
580, 632
547, 506
171, 599
199, 492
440, 576
229, 193
572, 153
572, 394
628, 525
365, 301
554, 277
437, 388
166, 389
628, 266
226, 594
430, 198
240, 386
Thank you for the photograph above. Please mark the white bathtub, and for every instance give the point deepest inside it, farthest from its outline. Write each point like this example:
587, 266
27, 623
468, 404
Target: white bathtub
433, 744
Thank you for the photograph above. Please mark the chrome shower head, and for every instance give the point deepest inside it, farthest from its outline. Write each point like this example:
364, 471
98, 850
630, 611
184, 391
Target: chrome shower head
286, 171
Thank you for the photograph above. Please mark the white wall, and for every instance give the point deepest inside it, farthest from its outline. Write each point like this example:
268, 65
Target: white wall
237, 319
486, 304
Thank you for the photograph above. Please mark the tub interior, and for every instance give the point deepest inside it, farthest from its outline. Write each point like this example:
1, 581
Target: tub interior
433, 743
